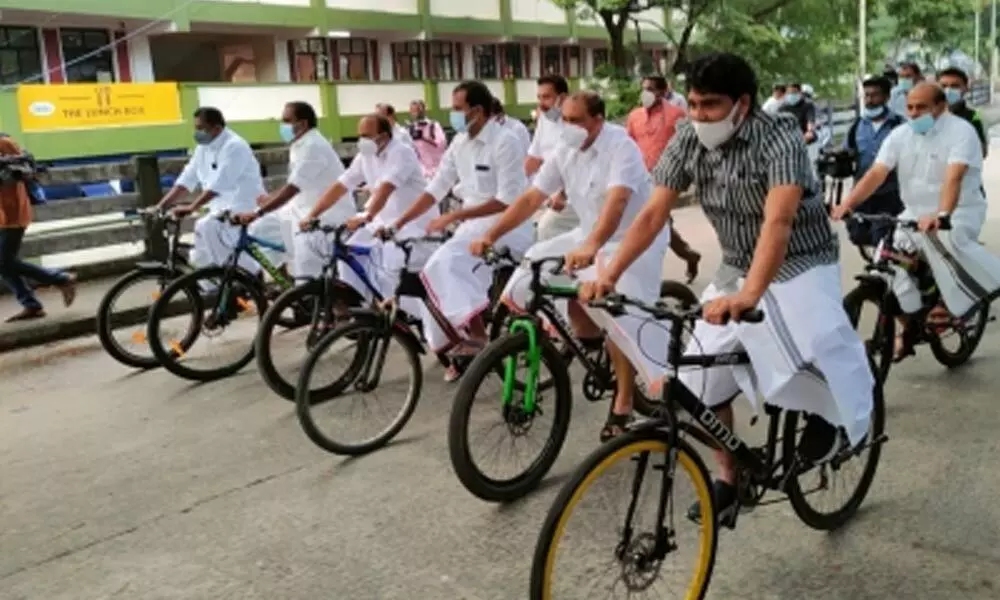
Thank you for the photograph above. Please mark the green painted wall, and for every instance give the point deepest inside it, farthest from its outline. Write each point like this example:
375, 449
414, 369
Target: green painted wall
129, 140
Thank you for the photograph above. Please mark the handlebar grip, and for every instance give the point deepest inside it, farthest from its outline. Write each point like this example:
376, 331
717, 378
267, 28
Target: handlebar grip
753, 315
613, 306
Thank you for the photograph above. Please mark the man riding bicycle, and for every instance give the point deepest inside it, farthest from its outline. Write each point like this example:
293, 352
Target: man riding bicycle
779, 254
602, 172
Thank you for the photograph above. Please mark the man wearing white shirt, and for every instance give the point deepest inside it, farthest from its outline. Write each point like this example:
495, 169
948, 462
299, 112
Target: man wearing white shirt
776, 99
313, 166
675, 98
225, 168
515, 126
606, 182
488, 162
552, 90
398, 131
939, 162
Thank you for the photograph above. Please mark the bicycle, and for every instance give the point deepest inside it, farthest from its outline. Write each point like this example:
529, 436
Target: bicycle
529, 343
638, 548
227, 291
838, 165
313, 304
161, 273
875, 286
371, 331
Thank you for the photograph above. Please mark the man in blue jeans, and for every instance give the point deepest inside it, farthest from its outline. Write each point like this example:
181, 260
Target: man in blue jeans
15, 216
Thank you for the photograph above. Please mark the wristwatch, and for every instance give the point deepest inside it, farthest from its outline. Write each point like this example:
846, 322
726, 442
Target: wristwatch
367, 216
260, 211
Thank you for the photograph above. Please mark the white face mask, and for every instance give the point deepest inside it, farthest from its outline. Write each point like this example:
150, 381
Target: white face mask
573, 136
367, 147
712, 135
647, 98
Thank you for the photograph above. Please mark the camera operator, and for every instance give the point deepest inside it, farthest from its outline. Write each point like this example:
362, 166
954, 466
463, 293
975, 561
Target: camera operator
864, 138
17, 171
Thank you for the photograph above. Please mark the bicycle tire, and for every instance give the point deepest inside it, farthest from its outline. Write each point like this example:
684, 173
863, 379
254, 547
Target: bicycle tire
590, 469
884, 337
296, 296
969, 343
799, 499
106, 318
485, 365
168, 357
304, 400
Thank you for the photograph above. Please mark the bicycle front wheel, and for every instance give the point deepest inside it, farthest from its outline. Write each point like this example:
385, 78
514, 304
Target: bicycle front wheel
225, 312
478, 409
370, 398
615, 496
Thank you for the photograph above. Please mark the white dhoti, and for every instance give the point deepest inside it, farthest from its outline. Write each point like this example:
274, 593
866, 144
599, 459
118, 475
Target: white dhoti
553, 223
804, 355
964, 271
214, 242
633, 333
458, 289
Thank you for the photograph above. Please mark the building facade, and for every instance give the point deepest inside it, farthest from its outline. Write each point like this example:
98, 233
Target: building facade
249, 57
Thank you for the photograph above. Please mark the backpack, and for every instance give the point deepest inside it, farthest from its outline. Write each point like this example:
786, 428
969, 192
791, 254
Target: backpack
892, 122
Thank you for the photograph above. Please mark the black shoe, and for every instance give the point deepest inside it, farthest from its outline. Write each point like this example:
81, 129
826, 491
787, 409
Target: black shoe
726, 505
820, 440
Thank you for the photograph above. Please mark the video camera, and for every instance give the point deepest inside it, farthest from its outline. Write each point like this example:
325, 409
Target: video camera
17, 168
837, 163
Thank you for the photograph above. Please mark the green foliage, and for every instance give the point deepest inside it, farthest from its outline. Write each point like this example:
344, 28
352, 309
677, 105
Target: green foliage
621, 94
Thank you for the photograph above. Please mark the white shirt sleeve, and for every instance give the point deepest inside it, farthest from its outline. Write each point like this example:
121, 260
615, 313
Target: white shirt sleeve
401, 166
888, 154
309, 167
188, 179
354, 176
627, 169
233, 162
508, 160
964, 147
549, 178
446, 175
404, 136
523, 135
535, 149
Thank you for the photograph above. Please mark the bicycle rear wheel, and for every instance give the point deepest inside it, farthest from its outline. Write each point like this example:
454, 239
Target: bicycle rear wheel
126, 305
487, 369
380, 361
864, 455
228, 301
882, 344
628, 537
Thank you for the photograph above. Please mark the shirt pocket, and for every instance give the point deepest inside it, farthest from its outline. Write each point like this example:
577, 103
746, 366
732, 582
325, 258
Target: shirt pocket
486, 180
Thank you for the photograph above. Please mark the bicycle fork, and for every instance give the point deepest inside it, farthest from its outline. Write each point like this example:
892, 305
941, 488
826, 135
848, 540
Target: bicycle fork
534, 356
375, 353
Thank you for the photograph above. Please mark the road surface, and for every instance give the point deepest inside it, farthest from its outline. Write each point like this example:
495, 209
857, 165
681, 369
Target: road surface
141, 486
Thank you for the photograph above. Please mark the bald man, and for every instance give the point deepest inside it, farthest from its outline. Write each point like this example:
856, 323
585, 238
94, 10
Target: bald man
606, 183
939, 162
398, 131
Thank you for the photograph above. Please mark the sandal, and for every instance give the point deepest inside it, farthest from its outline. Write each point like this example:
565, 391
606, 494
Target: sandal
28, 314
466, 348
901, 349
614, 426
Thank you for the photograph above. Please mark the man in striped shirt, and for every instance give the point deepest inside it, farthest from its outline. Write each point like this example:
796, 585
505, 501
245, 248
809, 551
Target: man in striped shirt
779, 252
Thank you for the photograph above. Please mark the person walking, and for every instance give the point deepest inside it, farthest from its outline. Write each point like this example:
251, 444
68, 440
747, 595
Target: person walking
15, 217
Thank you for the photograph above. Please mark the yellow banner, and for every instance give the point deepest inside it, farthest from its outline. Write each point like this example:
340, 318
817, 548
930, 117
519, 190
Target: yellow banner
54, 107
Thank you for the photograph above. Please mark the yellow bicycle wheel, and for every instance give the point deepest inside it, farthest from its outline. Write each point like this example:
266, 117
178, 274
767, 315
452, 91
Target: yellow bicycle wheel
631, 467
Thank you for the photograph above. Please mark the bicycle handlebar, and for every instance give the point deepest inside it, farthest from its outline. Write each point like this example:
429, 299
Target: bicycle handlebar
944, 223
615, 305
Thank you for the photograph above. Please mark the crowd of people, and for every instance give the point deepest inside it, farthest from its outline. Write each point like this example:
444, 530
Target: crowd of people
601, 195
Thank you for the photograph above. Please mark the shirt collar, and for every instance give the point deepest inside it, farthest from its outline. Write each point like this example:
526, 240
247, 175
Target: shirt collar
601, 141
305, 137
488, 132
219, 139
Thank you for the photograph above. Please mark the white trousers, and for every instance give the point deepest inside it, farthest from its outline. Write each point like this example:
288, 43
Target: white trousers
633, 333
553, 223
804, 355
458, 289
964, 271
214, 242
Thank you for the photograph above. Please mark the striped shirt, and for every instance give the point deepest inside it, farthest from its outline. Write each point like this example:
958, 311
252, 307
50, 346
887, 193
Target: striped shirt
733, 182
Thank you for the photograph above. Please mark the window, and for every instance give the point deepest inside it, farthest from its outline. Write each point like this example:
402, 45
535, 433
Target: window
513, 61
573, 61
551, 60
310, 59
87, 54
442, 61
20, 59
352, 58
486, 61
406, 60
602, 57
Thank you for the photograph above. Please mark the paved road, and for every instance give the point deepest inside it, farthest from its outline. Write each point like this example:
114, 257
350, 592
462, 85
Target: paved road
141, 486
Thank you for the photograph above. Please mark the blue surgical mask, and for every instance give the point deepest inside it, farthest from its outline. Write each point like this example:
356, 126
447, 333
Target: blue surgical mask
792, 98
873, 112
202, 137
457, 120
287, 132
905, 84
954, 95
923, 123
